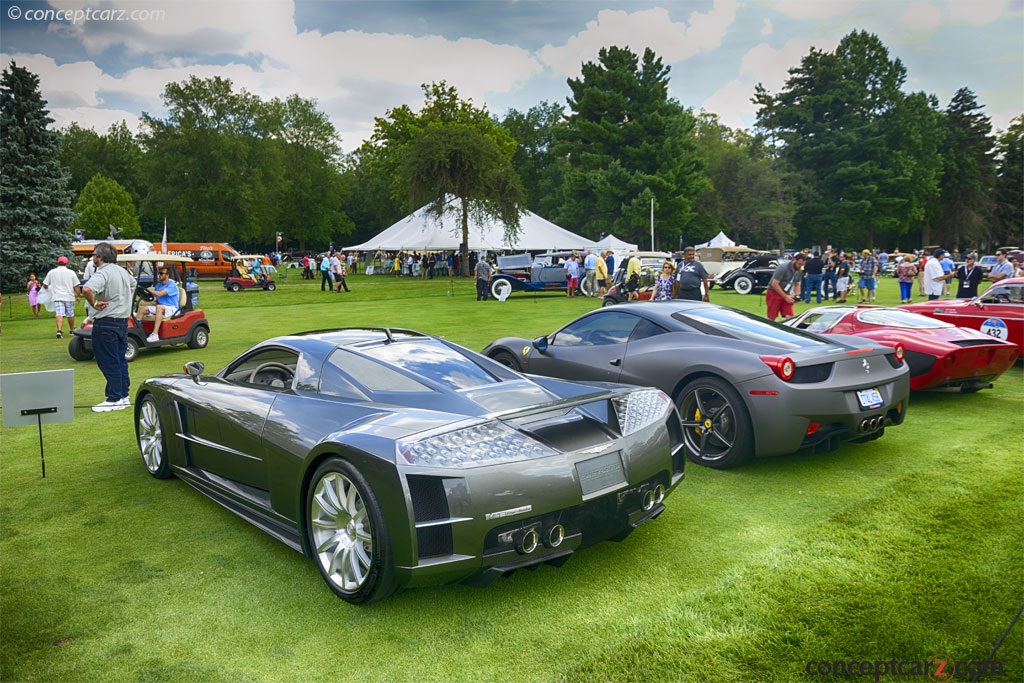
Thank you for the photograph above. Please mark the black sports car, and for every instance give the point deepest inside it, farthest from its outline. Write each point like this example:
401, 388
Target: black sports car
744, 386
753, 276
399, 459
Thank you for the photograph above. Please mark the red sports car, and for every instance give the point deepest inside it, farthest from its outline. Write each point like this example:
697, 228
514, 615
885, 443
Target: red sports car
998, 312
940, 355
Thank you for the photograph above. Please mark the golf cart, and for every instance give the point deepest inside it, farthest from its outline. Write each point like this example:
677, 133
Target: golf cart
251, 271
187, 326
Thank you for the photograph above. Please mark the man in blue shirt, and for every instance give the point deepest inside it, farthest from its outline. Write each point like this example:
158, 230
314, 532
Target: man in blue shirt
166, 292
1002, 269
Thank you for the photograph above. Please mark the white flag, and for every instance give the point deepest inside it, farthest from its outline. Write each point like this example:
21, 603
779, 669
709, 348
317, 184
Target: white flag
163, 245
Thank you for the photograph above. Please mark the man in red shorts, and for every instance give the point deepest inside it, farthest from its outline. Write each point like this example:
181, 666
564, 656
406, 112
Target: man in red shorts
784, 289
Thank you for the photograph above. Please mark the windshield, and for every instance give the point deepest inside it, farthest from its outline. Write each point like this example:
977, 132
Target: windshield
894, 317
727, 322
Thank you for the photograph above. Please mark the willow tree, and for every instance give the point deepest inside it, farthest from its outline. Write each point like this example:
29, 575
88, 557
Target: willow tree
451, 157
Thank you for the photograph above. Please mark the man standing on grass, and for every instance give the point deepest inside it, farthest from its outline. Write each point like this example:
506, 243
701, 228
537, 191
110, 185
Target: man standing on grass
590, 273
784, 288
968, 277
934, 276
868, 272
66, 291
110, 292
483, 272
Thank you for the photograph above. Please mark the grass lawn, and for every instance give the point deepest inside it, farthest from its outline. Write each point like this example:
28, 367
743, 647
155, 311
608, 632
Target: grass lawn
904, 548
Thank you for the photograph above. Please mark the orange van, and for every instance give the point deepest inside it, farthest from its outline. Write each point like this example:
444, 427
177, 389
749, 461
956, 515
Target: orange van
211, 259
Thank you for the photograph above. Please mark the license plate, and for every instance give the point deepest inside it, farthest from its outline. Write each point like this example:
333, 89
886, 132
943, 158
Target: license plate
869, 398
600, 472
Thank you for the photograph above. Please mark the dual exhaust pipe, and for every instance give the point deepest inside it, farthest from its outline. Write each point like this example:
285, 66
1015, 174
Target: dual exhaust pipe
871, 424
531, 539
652, 497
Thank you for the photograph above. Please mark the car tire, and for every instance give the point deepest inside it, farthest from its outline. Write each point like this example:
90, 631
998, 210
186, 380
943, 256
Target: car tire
609, 301
501, 289
271, 286
131, 349
149, 432
508, 360
347, 535
717, 430
586, 288
77, 350
743, 284
200, 338
234, 286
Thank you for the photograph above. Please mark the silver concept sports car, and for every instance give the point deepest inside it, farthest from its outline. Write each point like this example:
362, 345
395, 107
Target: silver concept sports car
399, 459
744, 386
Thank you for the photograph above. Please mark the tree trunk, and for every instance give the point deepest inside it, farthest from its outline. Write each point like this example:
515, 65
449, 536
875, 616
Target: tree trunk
464, 247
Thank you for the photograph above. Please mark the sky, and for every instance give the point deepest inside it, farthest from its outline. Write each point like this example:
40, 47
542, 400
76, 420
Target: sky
103, 62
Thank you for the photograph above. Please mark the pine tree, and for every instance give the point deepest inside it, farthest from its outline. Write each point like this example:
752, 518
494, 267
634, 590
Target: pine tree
35, 202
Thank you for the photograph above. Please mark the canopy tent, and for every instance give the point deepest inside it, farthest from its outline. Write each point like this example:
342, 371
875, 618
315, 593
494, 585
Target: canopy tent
720, 240
422, 232
615, 244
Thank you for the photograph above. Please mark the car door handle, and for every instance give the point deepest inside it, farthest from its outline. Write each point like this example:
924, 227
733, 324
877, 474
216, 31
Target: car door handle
617, 362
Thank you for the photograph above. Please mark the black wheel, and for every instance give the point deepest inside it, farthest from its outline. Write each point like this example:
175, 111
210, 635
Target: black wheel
234, 286
149, 430
131, 349
609, 301
716, 424
200, 338
508, 360
743, 284
271, 286
347, 534
77, 350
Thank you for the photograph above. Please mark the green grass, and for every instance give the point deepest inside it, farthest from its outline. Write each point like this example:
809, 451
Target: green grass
906, 547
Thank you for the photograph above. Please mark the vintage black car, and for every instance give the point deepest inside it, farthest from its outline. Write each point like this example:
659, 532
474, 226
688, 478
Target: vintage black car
399, 459
752, 277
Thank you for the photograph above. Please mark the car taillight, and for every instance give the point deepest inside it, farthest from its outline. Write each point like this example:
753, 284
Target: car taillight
782, 366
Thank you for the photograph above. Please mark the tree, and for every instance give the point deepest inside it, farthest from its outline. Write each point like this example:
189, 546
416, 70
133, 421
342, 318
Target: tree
449, 150
626, 143
1009, 188
225, 165
862, 146
535, 164
116, 155
35, 203
104, 203
962, 215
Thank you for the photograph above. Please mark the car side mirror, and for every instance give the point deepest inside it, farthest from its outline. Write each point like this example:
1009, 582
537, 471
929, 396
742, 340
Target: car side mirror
194, 369
978, 303
541, 344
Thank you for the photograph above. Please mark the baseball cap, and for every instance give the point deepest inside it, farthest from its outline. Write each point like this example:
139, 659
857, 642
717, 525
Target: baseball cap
62, 260
939, 252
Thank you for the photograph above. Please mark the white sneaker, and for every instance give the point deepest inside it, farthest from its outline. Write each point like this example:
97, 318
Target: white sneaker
153, 337
124, 403
107, 406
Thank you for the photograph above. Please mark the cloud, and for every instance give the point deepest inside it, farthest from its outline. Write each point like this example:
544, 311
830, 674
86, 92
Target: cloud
978, 12
673, 41
816, 9
921, 16
766, 27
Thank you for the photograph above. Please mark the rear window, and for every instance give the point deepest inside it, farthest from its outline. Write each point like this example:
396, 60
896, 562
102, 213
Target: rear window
435, 362
733, 324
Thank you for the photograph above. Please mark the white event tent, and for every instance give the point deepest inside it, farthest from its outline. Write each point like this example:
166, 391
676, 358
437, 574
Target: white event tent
422, 232
620, 248
720, 240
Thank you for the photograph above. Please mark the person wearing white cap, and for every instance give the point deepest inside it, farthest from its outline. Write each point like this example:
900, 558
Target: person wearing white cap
66, 291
